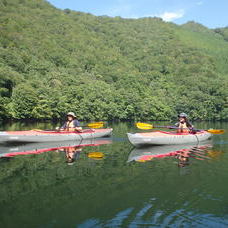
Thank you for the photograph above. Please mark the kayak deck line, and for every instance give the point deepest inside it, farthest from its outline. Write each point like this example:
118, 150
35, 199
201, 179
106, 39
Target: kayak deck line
40, 132
148, 134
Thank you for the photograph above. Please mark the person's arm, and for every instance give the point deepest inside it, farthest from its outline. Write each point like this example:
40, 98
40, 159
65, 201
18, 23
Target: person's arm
77, 125
189, 125
191, 128
63, 127
177, 124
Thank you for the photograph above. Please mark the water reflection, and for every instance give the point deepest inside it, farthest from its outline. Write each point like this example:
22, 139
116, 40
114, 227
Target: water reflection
111, 192
72, 149
181, 152
72, 154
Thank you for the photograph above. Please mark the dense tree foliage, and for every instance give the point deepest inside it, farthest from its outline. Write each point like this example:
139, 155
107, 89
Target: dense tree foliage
53, 61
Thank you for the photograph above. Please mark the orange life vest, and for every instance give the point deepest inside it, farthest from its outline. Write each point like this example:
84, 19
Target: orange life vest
70, 126
183, 128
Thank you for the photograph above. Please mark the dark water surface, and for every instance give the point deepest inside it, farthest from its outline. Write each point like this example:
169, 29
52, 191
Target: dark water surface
184, 186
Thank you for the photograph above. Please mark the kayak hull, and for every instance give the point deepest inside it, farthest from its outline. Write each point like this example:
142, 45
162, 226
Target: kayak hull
51, 136
166, 138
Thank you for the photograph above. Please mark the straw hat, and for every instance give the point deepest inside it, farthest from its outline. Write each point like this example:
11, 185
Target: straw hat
71, 114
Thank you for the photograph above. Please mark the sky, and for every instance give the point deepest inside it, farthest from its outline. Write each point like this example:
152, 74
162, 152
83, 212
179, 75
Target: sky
211, 13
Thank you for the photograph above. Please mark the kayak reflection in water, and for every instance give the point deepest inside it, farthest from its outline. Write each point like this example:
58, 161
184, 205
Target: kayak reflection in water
197, 152
71, 124
182, 153
183, 158
183, 124
71, 149
72, 154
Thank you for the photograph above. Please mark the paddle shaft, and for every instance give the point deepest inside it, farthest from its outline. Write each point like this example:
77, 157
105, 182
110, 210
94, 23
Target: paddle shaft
146, 126
90, 126
174, 127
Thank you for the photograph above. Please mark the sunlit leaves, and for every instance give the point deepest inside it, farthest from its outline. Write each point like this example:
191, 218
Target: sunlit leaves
54, 61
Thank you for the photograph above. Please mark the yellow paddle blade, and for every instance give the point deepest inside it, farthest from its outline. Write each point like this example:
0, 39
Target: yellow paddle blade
96, 125
144, 126
216, 131
95, 155
144, 160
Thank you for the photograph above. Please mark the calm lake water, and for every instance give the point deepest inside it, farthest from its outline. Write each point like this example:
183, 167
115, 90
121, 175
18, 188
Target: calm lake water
122, 187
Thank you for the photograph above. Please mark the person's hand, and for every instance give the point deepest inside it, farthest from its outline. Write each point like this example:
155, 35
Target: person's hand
59, 129
79, 129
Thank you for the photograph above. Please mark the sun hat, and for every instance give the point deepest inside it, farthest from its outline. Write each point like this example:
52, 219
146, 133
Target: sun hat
71, 114
183, 115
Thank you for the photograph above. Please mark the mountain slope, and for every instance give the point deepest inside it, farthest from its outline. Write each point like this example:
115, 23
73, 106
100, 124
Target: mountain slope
107, 68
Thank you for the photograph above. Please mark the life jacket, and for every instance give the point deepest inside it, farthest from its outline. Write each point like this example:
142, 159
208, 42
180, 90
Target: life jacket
183, 128
70, 126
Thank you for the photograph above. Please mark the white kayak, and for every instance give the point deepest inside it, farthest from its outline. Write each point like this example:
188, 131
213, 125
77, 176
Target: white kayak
48, 136
166, 138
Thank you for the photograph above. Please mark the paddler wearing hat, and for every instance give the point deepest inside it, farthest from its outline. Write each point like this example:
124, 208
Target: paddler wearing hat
71, 124
183, 124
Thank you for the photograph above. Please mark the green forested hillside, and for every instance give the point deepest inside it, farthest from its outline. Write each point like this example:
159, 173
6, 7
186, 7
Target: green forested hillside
223, 32
54, 61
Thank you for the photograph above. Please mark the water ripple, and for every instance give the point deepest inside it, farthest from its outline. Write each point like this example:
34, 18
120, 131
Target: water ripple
160, 218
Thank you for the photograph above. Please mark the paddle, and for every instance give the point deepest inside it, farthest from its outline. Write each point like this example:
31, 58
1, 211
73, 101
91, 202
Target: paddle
95, 125
90, 125
146, 126
96, 155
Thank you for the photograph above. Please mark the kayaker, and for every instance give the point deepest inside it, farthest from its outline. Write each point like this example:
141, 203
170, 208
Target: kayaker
183, 124
72, 124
